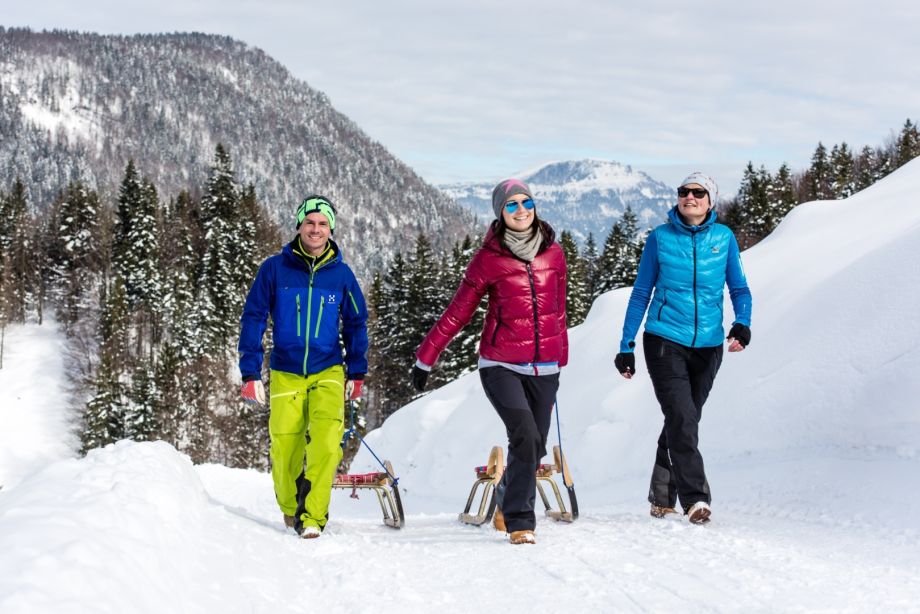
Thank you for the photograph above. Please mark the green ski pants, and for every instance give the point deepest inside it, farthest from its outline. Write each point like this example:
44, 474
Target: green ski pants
307, 422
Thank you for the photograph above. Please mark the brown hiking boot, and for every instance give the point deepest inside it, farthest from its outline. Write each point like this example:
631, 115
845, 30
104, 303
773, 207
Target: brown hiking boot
289, 521
498, 520
699, 513
523, 537
660, 511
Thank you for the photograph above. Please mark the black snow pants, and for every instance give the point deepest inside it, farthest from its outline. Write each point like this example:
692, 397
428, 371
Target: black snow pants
525, 405
682, 378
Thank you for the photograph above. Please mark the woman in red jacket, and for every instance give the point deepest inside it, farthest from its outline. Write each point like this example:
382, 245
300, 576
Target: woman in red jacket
524, 341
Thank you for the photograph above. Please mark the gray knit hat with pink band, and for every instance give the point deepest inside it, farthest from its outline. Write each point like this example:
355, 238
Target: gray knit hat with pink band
505, 190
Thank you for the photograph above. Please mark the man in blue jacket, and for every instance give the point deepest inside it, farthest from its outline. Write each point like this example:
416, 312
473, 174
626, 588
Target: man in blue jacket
310, 294
687, 262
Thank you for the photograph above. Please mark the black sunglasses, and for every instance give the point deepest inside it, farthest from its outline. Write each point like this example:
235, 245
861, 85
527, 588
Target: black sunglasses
697, 192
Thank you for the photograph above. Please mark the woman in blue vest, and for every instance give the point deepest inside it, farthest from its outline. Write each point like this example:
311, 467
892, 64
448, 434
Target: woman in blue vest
683, 271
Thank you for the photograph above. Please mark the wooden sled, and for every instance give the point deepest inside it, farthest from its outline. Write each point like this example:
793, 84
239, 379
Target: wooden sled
383, 486
489, 475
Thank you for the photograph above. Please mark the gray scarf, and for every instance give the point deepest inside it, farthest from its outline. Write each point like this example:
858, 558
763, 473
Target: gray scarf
525, 244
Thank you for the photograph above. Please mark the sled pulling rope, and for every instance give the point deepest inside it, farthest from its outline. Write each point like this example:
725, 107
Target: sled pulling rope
563, 464
489, 475
384, 483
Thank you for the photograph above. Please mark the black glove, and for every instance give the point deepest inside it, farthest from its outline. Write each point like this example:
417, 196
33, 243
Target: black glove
419, 378
625, 362
740, 333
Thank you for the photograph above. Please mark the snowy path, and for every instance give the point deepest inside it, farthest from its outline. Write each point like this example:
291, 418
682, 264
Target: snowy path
618, 559
137, 527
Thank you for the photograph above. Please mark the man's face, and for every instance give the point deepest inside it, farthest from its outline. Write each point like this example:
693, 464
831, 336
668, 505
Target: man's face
314, 233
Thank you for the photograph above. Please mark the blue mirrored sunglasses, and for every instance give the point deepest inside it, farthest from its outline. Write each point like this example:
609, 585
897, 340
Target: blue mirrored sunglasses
512, 205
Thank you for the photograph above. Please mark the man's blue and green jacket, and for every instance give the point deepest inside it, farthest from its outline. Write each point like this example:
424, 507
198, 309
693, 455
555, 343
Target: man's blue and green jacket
307, 300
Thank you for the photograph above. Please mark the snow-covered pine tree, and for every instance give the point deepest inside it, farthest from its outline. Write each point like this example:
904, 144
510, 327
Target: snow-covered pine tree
467, 341
135, 257
18, 262
114, 328
449, 364
392, 333
172, 406
250, 222
908, 144
590, 258
205, 383
141, 421
129, 214
577, 299
74, 248
626, 263
103, 419
104, 416
867, 167
424, 299
227, 268
7, 219
267, 237
819, 176
614, 246
782, 194
179, 263
221, 297
754, 202
843, 171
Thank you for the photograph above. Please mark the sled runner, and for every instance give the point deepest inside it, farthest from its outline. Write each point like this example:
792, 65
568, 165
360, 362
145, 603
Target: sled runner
489, 475
384, 483
384, 486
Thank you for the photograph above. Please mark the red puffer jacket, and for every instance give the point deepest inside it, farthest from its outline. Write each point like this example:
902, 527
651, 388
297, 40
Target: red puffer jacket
525, 321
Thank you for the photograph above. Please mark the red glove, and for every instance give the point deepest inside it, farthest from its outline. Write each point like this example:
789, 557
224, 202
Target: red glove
253, 392
353, 389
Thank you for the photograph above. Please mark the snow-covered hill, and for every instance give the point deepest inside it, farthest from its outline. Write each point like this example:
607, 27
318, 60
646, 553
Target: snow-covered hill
581, 196
810, 438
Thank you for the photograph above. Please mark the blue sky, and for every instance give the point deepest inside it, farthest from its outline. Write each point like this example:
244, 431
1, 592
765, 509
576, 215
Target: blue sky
478, 90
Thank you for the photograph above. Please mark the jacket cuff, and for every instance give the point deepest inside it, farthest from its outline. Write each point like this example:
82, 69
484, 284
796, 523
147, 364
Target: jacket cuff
251, 377
356, 376
422, 366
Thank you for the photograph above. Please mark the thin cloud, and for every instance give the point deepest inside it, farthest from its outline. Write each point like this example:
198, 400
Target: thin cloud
473, 90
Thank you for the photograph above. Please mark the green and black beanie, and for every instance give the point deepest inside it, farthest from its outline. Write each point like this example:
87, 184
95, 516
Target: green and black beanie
314, 204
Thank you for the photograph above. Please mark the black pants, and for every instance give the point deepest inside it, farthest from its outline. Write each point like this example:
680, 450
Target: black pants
682, 378
525, 405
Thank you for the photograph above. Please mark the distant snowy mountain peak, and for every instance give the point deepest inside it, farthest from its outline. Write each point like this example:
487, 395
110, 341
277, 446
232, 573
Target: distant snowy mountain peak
588, 174
581, 196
